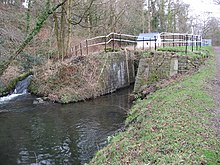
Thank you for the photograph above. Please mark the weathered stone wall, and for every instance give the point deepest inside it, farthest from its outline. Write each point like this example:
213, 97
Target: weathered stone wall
162, 66
118, 71
185, 63
85, 77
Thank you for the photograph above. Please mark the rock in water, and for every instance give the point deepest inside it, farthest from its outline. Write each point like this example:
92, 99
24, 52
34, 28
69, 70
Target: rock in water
38, 101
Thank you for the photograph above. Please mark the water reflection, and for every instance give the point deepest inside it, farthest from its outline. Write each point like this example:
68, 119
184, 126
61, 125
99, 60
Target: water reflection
58, 134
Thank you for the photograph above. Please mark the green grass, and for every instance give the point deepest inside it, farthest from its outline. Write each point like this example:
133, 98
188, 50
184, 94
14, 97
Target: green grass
181, 50
170, 126
173, 49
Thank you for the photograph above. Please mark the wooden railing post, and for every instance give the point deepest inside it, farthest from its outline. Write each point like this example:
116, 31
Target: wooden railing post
200, 42
135, 42
192, 42
113, 42
197, 43
143, 43
80, 48
184, 39
163, 41
76, 50
186, 43
173, 40
105, 43
155, 38
120, 40
87, 48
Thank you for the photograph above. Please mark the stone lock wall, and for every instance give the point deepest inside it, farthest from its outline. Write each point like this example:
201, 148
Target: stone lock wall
162, 66
118, 71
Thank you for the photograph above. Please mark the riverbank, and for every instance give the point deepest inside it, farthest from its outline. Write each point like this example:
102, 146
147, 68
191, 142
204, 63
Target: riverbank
171, 126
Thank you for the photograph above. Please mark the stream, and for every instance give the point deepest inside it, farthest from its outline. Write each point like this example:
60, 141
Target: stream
51, 134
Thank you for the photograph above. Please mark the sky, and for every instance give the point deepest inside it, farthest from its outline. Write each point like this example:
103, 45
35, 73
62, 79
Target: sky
200, 6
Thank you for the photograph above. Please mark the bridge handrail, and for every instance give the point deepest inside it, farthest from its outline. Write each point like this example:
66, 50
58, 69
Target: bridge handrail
117, 39
111, 37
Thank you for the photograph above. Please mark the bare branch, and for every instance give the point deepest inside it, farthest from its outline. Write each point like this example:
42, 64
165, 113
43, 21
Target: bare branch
83, 15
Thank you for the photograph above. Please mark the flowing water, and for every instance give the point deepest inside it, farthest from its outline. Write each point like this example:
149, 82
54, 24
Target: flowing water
58, 134
20, 89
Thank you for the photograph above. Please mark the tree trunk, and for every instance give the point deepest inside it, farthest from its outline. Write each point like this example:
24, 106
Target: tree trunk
56, 29
62, 30
69, 26
169, 18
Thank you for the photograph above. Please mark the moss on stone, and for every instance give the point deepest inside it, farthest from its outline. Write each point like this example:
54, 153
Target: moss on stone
13, 82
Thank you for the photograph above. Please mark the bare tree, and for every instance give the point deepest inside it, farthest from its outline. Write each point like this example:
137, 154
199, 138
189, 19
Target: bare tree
41, 20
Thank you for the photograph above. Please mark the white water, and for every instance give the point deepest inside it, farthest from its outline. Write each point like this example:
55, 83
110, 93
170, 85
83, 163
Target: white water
6, 99
21, 89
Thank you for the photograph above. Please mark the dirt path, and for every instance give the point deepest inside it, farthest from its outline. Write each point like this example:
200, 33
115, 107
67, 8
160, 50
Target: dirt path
216, 91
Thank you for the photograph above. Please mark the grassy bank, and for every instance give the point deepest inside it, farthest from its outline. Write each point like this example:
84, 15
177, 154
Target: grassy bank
170, 126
